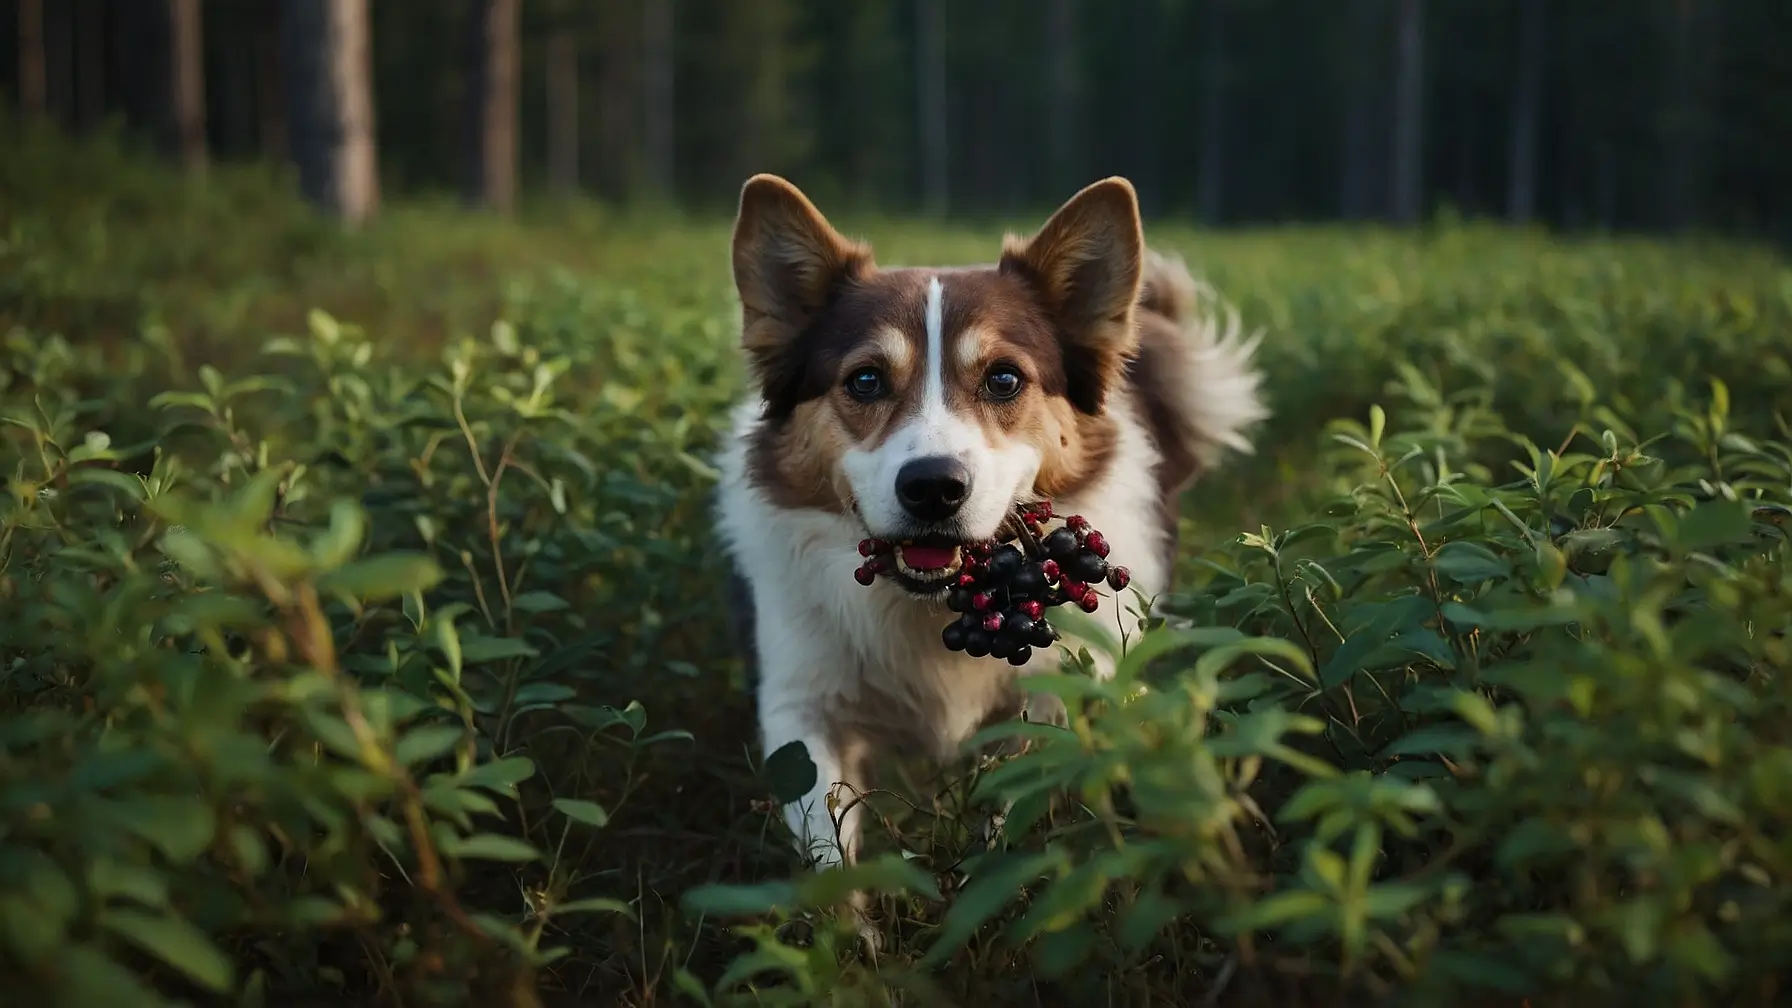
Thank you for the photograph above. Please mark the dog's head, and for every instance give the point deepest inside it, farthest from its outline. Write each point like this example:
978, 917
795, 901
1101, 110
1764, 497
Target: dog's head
927, 402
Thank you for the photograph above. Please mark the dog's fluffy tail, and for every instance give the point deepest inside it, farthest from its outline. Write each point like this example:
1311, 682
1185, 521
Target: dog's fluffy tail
1199, 368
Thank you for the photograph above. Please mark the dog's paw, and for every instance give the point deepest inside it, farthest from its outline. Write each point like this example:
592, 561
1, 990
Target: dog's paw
991, 831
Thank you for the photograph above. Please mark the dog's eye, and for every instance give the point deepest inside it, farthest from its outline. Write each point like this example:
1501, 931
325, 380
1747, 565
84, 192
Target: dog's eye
865, 384
1002, 382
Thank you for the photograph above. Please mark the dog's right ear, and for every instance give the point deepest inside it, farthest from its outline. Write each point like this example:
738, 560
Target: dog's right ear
788, 264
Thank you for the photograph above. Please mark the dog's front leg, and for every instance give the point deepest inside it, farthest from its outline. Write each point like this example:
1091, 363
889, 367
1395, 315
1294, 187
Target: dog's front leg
799, 675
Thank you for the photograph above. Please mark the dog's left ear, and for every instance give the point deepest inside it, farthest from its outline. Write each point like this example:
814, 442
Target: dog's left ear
1085, 264
789, 262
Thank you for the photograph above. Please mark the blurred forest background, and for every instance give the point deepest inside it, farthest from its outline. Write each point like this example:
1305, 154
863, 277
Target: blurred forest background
1610, 114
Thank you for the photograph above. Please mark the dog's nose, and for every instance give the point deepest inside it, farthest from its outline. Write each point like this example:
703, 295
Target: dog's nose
933, 488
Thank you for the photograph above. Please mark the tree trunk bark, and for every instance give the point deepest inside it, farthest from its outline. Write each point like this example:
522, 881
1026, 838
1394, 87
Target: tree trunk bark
563, 110
1211, 185
1064, 95
1527, 111
1358, 196
1692, 27
329, 90
270, 92
90, 64
930, 76
659, 97
1409, 111
34, 100
187, 82
492, 105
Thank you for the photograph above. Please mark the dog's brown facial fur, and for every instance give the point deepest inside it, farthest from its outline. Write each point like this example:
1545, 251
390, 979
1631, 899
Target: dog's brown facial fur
1058, 309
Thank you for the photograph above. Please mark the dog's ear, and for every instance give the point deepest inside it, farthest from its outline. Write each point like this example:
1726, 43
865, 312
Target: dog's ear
1085, 266
788, 264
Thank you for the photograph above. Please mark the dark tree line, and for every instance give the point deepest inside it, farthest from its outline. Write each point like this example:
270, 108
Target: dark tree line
1650, 114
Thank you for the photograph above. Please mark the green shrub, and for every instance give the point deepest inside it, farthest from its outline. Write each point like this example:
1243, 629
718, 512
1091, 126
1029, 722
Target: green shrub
383, 663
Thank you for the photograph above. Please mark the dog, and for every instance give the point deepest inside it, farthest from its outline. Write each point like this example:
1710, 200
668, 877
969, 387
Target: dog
919, 406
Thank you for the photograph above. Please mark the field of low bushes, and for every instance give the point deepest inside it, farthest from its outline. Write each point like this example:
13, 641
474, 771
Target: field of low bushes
361, 637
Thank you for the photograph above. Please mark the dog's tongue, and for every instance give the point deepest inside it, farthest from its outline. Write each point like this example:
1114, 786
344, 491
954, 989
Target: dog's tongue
928, 557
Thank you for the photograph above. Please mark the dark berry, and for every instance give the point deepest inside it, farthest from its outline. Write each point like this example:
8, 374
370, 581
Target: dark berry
1033, 609
1090, 602
993, 622
1073, 590
954, 636
864, 575
1050, 570
1087, 568
1020, 655
981, 601
877, 565
1119, 578
1006, 563
1097, 544
976, 643
869, 546
1021, 625
1029, 582
1043, 635
959, 600
1060, 544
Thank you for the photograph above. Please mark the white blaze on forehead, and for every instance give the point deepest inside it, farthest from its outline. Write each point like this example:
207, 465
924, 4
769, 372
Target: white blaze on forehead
933, 395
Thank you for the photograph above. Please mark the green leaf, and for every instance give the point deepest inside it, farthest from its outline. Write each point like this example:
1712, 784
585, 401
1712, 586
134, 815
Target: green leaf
990, 889
492, 847
587, 812
382, 578
1715, 523
180, 826
1470, 563
130, 485
543, 693
500, 775
594, 904
175, 942
86, 976
790, 771
538, 602
426, 742
1276, 911
726, 900
476, 649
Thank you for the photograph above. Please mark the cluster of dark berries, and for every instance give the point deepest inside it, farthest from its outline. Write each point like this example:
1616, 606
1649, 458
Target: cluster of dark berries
1008, 583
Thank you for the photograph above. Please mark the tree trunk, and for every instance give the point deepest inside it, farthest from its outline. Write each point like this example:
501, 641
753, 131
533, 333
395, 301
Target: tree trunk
563, 110
1527, 111
492, 105
329, 90
658, 96
270, 94
34, 99
1691, 25
90, 64
1409, 110
187, 82
1211, 188
930, 76
1358, 196
1063, 95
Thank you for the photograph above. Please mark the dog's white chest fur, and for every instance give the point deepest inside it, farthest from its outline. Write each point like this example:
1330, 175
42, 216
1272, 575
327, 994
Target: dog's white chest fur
849, 669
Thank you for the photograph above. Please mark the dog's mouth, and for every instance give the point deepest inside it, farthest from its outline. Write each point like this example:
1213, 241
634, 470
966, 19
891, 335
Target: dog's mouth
927, 566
